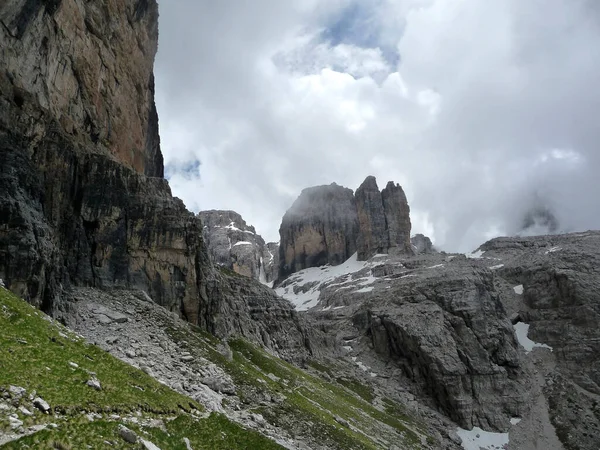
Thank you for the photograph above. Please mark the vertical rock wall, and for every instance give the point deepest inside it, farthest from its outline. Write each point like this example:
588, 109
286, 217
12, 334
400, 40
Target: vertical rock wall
320, 228
328, 224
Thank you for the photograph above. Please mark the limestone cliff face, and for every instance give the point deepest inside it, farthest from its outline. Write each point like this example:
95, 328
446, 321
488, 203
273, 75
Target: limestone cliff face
83, 199
320, 228
397, 218
373, 238
384, 219
235, 245
328, 224
89, 66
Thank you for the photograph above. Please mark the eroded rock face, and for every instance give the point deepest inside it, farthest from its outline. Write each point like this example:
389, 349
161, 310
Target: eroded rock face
436, 327
234, 244
84, 200
384, 219
372, 238
327, 224
560, 280
89, 66
76, 218
320, 228
397, 219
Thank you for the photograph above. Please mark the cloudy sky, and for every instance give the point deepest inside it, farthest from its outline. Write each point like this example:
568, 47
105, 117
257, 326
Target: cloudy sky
481, 110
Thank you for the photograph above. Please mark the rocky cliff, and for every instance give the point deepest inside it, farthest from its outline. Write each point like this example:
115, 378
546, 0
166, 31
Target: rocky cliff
235, 245
384, 219
84, 202
327, 224
502, 339
320, 228
88, 66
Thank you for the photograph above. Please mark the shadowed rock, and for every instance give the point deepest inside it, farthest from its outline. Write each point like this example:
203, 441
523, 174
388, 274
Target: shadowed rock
320, 228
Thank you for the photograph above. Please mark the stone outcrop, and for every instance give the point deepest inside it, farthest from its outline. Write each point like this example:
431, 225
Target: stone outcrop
422, 244
320, 228
327, 224
462, 334
560, 280
437, 328
397, 219
235, 245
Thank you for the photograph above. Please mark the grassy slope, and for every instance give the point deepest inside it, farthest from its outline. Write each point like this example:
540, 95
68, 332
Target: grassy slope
311, 406
335, 414
36, 354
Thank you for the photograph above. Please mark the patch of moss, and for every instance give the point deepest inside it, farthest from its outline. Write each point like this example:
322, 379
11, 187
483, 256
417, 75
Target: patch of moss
356, 386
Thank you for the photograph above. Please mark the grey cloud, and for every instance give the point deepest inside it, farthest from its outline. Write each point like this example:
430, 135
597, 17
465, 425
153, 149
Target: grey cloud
507, 84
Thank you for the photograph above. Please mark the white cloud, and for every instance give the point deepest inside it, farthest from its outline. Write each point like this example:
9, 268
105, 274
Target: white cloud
492, 106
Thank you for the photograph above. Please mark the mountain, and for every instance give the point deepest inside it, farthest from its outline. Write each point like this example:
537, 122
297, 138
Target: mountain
159, 333
502, 339
327, 224
233, 244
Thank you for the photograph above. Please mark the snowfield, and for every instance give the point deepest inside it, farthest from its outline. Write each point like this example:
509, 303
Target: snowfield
304, 287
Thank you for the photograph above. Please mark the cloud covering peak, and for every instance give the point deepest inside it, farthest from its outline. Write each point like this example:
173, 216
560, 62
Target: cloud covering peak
482, 111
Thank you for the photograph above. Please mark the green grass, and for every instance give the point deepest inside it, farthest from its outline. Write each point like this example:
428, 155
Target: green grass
35, 354
213, 433
356, 386
311, 404
320, 402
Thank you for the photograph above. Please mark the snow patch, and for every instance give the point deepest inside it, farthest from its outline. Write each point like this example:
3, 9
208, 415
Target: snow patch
515, 420
242, 243
347, 347
497, 266
552, 250
475, 255
436, 266
518, 289
323, 277
362, 366
365, 289
522, 330
477, 439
